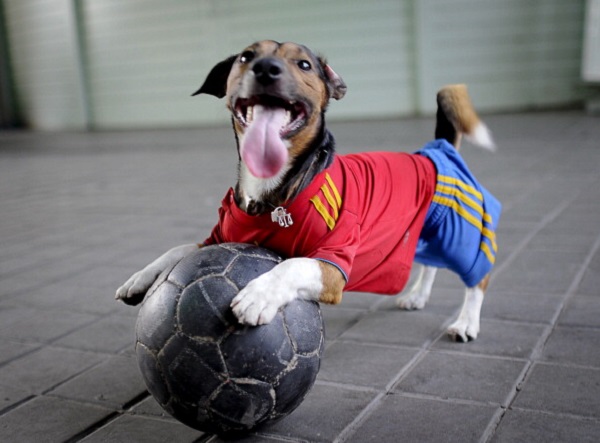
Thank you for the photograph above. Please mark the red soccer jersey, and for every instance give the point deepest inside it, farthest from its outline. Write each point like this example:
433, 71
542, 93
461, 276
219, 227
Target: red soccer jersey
363, 214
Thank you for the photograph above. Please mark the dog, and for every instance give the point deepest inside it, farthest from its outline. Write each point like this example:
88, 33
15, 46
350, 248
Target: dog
343, 223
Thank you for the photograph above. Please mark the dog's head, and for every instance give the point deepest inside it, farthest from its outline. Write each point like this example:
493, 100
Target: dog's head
277, 94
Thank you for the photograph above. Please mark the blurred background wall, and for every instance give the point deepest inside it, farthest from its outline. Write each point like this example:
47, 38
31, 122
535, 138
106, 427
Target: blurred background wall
104, 64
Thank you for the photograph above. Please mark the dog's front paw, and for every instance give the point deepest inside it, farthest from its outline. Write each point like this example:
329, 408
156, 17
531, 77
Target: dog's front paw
134, 289
463, 330
259, 301
132, 292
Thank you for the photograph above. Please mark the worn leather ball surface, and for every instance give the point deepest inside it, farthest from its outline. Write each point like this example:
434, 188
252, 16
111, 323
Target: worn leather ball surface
205, 368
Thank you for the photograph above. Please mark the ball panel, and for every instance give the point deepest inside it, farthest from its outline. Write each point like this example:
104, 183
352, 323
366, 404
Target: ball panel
203, 309
305, 326
193, 370
152, 374
209, 260
295, 383
206, 369
261, 352
247, 267
156, 319
249, 249
241, 404
194, 416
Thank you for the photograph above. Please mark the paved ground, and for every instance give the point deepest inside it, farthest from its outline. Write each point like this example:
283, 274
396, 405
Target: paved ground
80, 212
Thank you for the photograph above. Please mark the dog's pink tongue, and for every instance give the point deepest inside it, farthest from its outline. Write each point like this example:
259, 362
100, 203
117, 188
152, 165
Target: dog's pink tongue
262, 148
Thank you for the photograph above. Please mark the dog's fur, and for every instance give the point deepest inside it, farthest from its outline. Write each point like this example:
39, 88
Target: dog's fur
290, 76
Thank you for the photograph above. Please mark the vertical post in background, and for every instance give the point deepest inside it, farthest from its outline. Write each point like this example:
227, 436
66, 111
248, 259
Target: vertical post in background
82, 62
591, 42
415, 63
9, 112
590, 64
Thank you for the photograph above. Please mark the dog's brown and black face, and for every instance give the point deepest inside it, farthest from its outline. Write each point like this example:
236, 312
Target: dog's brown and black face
277, 94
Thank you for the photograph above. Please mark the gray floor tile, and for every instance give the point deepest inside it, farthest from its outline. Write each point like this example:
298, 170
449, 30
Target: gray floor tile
9, 350
582, 310
42, 326
401, 418
562, 389
11, 396
519, 306
591, 278
541, 272
363, 365
359, 300
43, 369
507, 339
45, 419
112, 384
338, 320
463, 377
150, 407
396, 327
110, 334
573, 345
326, 411
534, 427
569, 241
134, 429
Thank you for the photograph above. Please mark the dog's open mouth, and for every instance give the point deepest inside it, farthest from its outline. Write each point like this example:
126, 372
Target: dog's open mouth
295, 112
268, 122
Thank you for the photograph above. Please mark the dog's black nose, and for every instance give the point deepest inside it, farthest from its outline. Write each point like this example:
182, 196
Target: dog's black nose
267, 70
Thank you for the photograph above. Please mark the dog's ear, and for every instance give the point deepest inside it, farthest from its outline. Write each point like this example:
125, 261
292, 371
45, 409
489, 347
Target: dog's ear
337, 87
216, 81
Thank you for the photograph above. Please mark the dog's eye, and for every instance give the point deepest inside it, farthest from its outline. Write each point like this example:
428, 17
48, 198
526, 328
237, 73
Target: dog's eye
304, 65
246, 57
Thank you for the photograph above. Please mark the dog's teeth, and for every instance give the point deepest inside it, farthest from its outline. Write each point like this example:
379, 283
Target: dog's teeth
249, 113
288, 116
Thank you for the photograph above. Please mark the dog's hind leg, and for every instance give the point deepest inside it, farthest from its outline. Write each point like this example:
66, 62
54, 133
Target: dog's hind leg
466, 326
419, 293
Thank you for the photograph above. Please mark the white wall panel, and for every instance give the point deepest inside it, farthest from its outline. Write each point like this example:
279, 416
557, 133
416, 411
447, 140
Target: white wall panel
142, 59
590, 70
42, 42
145, 57
513, 54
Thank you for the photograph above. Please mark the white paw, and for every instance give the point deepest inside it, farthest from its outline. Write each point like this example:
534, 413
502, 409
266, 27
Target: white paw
134, 289
412, 300
418, 295
463, 330
259, 301
466, 326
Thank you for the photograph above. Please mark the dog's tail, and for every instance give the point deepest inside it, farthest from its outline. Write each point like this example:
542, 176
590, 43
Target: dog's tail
457, 117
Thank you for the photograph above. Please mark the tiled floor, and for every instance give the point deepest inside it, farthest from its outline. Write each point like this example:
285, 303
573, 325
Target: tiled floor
79, 212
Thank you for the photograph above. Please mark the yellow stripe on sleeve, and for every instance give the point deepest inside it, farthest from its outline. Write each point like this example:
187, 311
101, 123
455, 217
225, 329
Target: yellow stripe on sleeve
453, 204
330, 200
334, 189
455, 192
491, 235
446, 201
454, 181
321, 209
486, 250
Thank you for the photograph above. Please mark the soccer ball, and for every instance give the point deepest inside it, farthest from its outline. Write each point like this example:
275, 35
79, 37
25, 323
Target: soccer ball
205, 368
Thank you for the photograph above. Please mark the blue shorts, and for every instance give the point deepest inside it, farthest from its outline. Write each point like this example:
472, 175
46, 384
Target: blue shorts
459, 230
